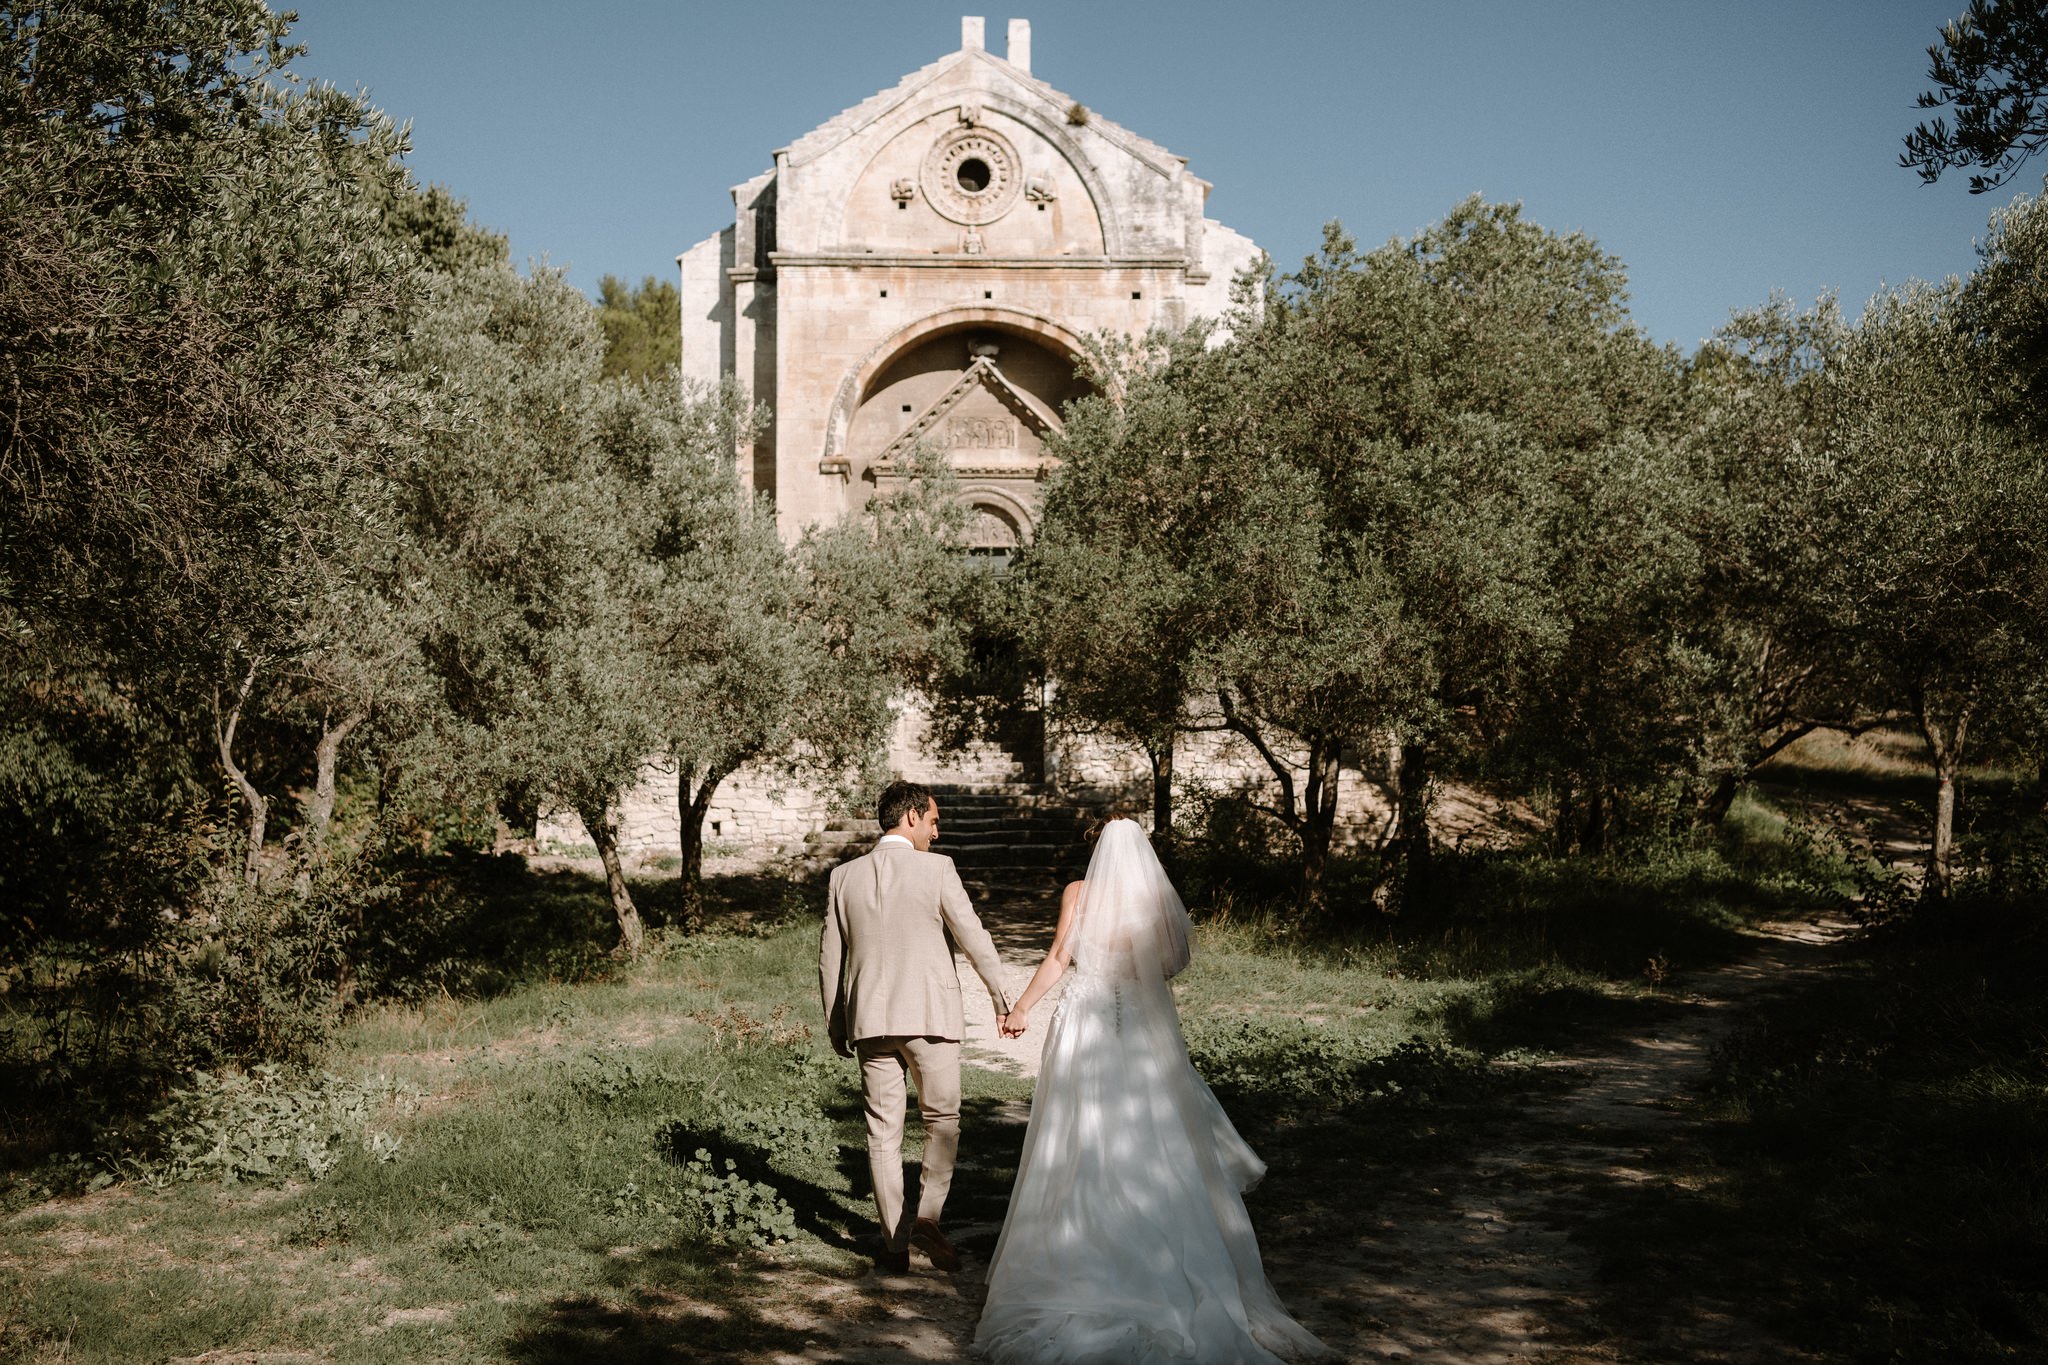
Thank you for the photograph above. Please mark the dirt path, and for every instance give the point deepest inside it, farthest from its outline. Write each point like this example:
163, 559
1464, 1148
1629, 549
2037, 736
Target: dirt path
1478, 1264
1022, 929
1474, 1263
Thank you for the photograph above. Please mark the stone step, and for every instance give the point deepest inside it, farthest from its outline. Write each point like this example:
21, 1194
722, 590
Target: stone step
986, 831
1028, 815
983, 818
951, 837
983, 867
1004, 801
1007, 838
1016, 846
1034, 817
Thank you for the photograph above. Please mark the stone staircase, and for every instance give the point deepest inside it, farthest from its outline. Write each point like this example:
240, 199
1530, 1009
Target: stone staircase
1008, 837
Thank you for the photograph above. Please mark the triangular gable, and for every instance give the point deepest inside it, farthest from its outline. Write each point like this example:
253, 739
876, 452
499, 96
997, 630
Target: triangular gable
849, 122
981, 374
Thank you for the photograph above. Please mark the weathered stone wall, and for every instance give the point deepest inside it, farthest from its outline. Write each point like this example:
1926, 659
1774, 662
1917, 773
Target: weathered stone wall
864, 282
755, 818
758, 818
868, 238
1207, 765
911, 756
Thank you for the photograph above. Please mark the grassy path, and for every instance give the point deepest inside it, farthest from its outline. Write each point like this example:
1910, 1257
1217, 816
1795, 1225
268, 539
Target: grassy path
1478, 1253
531, 1214
1490, 1254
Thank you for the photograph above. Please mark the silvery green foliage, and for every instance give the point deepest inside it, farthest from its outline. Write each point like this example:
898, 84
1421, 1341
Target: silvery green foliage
1991, 68
200, 316
608, 591
733, 1208
1939, 570
268, 1126
1365, 515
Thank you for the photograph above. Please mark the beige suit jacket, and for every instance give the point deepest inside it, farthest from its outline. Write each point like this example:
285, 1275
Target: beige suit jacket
885, 965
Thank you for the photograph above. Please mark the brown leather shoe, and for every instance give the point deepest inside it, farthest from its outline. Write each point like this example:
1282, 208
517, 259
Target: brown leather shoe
926, 1237
889, 1262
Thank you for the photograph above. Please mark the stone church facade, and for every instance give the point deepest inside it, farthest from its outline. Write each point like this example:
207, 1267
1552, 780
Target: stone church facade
927, 267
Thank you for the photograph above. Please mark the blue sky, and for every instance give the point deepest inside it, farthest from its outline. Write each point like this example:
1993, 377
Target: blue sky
1722, 150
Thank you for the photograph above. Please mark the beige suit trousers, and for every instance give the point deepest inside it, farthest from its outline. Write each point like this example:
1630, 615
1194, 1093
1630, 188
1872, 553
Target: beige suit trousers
933, 1066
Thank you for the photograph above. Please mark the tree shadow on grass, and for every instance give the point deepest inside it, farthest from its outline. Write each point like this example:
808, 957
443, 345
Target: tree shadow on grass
821, 1213
1866, 1175
1534, 1011
714, 1302
1400, 1161
674, 1303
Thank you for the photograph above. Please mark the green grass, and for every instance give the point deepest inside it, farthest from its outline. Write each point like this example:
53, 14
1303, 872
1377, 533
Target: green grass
1892, 763
1390, 1053
535, 1209
537, 1203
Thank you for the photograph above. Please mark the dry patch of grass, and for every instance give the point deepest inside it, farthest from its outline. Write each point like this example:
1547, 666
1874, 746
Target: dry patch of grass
1874, 754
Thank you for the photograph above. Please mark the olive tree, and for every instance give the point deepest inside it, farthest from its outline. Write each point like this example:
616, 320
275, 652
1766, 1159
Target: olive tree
1346, 527
199, 310
1939, 569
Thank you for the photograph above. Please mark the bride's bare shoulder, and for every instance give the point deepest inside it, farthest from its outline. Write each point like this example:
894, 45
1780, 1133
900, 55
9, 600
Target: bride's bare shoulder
1072, 892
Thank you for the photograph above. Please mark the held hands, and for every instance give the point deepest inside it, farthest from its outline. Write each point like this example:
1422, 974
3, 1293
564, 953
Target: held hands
1013, 1024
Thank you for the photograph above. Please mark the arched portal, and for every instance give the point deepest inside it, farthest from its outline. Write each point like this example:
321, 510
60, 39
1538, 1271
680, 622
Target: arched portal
982, 388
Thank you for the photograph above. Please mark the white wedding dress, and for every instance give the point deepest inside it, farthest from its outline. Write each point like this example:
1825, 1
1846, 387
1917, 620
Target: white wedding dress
1127, 1238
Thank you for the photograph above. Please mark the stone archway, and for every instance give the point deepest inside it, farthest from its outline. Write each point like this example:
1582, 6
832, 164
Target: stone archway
984, 393
860, 384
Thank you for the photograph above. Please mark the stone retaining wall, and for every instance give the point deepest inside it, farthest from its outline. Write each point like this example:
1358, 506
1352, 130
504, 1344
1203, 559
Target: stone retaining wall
758, 817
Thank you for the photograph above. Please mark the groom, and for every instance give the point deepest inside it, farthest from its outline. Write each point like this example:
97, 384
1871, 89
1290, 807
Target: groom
892, 998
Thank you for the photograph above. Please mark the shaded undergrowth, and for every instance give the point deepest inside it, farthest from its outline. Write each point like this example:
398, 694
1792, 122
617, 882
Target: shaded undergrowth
90, 1047
1869, 1175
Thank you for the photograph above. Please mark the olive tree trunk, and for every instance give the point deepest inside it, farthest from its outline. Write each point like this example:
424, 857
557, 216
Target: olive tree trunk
1162, 792
1412, 780
603, 824
1945, 737
225, 723
693, 797
320, 805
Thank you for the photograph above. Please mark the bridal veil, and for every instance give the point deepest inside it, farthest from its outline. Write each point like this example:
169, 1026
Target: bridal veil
1127, 1238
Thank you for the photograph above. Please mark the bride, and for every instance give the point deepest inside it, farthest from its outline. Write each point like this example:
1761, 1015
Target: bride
1127, 1238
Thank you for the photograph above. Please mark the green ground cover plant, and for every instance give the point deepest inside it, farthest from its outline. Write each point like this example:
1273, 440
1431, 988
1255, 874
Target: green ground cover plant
647, 1157
573, 1141
676, 1114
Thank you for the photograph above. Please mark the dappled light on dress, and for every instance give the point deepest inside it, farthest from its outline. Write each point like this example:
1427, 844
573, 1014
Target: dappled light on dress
1127, 1237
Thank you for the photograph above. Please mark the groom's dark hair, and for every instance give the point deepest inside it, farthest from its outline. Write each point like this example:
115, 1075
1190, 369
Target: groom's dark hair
899, 799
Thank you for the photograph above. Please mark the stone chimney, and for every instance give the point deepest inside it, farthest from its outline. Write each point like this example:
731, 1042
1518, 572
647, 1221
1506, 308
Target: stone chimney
1020, 45
972, 28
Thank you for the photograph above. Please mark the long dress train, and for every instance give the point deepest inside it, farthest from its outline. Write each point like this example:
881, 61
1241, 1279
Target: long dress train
1127, 1238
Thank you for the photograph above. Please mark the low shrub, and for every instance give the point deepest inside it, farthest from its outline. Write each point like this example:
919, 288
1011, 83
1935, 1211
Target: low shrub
1275, 1064
268, 1126
732, 1208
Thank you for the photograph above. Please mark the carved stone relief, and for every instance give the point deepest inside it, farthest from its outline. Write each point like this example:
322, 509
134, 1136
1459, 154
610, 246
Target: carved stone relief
980, 433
